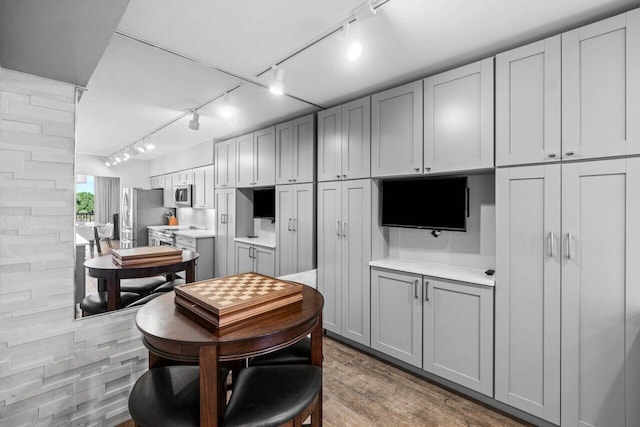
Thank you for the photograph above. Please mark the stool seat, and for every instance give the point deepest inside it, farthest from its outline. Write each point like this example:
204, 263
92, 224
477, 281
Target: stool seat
272, 395
167, 396
295, 354
168, 286
144, 300
143, 285
97, 303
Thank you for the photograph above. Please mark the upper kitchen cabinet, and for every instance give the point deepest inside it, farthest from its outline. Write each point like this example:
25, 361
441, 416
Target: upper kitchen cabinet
295, 150
344, 141
601, 89
396, 131
156, 182
225, 164
458, 119
203, 188
255, 159
184, 177
528, 103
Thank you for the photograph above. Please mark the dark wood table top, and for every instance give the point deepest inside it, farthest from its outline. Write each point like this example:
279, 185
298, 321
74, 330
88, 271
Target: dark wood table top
104, 267
171, 334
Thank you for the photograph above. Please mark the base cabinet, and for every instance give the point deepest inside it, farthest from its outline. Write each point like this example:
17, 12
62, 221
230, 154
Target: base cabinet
255, 258
441, 326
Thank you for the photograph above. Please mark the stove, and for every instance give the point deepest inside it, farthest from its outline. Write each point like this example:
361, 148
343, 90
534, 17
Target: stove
167, 237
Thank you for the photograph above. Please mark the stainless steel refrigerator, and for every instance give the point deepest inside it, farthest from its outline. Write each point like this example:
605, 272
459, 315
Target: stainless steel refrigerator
139, 209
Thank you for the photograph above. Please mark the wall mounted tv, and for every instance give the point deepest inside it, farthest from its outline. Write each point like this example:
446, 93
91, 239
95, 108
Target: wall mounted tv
430, 203
264, 203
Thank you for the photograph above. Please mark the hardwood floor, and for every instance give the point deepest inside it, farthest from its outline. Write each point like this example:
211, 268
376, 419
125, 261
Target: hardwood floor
361, 391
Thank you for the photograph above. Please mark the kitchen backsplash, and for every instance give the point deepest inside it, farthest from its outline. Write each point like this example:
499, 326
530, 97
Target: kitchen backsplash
264, 228
198, 217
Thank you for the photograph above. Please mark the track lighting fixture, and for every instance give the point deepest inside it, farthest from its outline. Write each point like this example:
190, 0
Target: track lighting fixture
107, 162
277, 84
149, 146
225, 110
194, 124
354, 47
364, 11
125, 156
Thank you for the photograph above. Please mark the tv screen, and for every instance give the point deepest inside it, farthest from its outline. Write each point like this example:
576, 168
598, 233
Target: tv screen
432, 203
264, 203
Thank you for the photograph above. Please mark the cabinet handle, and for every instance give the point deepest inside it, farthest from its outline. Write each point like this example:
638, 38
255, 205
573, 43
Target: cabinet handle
415, 289
416, 169
569, 246
344, 229
295, 224
251, 252
344, 176
338, 228
426, 290
338, 176
552, 244
569, 153
289, 225
289, 180
293, 180
552, 155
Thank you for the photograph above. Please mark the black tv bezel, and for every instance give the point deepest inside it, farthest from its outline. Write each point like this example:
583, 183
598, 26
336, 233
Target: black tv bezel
273, 190
420, 227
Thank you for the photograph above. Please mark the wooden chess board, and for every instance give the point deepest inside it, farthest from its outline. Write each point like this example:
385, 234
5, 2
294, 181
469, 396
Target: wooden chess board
229, 300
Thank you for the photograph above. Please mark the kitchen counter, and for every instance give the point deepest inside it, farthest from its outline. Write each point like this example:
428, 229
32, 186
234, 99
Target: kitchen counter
432, 269
168, 227
196, 233
260, 241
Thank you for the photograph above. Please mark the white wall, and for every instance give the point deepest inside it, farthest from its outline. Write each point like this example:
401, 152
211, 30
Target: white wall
190, 157
474, 248
54, 370
132, 173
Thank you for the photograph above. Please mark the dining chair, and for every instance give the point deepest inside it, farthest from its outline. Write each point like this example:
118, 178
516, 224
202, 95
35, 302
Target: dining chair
295, 354
97, 303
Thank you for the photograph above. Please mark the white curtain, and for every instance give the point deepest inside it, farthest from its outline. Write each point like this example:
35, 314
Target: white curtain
106, 198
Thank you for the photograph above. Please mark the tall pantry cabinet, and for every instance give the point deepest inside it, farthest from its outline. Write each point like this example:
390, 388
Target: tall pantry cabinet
568, 233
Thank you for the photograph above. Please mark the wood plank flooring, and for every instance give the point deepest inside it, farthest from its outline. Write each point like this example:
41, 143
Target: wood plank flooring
361, 391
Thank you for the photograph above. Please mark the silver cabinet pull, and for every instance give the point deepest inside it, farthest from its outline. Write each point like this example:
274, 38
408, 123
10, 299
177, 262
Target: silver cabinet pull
289, 225
415, 289
338, 228
337, 176
552, 155
289, 180
569, 246
344, 229
293, 180
426, 290
295, 224
569, 153
552, 244
344, 176
416, 169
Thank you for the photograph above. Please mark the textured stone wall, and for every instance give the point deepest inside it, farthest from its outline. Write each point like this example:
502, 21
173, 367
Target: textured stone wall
54, 370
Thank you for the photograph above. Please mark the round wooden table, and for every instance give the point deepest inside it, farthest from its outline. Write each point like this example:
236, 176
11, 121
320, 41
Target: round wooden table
172, 337
109, 274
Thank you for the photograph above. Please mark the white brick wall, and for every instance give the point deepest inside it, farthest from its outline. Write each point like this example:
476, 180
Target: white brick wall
54, 370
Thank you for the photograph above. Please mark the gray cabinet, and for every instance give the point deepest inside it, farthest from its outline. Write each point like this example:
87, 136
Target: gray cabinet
344, 251
396, 131
344, 141
458, 119
528, 263
169, 197
528, 125
396, 315
458, 333
255, 258
255, 159
204, 246
224, 255
203, 188
295, 228
225, 163
600, 88
295, 148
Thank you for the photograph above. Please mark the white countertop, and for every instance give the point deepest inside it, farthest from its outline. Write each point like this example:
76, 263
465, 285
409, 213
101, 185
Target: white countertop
259, 241
432, 269
196, 233
81, 241
168, 227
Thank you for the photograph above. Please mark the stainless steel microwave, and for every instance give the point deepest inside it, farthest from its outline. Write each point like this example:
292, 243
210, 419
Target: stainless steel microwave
183, 195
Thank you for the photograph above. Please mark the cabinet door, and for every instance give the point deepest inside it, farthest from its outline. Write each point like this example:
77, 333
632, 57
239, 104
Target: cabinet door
225, 164
330, 144
209, 202
600, 88
396, 131
458, 119
396, 315
264, 260
527, 355
458, 333
304, 133
284, 153
356, 254
244, 160
224, 254
284, 230
303, 226
528, 103
199, 188
329, 253
600, 293
265, 157
244, 258
356, 139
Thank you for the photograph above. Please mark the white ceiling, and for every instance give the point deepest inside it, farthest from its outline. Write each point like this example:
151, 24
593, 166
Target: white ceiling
137, 88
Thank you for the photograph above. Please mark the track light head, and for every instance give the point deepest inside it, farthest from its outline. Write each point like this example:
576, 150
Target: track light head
277, 84
194, 124
225, 110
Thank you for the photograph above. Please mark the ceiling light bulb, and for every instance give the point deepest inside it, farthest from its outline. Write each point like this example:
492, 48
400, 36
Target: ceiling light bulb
117, 159
354, 51
106, 163
125, 156
194, 124
225, 110
277, 85
149, 146
140, 148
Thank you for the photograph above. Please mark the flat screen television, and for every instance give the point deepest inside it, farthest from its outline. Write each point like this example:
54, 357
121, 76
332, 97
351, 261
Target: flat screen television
430, 203
264, 203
